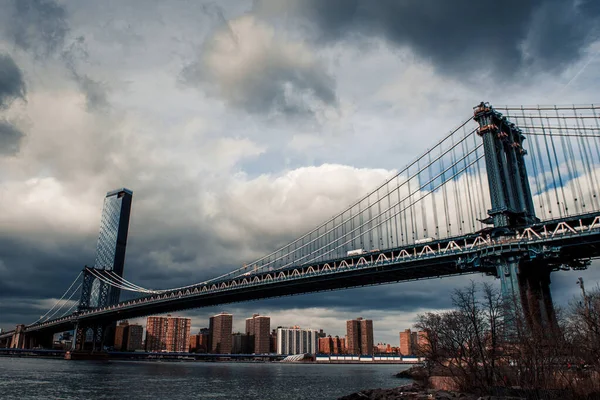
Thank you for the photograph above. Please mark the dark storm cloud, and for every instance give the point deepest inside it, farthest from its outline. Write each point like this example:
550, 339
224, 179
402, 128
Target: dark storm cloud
36, 26
40, 27
10, 138
460, 37
12, 85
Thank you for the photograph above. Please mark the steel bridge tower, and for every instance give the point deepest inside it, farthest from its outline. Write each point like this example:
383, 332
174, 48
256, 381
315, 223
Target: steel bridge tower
524, 279
110, 256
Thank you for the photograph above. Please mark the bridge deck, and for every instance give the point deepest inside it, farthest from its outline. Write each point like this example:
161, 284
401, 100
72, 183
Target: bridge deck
576, 237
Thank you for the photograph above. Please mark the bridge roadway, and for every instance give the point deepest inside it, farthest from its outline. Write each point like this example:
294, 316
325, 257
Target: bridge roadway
553, 242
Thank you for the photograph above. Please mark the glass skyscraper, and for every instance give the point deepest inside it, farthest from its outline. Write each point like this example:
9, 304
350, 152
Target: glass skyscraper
110, 252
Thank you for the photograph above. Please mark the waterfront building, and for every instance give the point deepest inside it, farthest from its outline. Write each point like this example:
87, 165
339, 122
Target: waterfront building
257, 329
194, 343
128, 337
359, 334
120, 329
325, 345
220, 326
410, 342
406, 347
273, 341
240, 343
332, 345
382, 348
199, 342
135, 335
203, 340
422, 341
339, 345
171, 334
296, 340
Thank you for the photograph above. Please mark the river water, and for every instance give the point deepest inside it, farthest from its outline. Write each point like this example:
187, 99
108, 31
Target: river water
31, 378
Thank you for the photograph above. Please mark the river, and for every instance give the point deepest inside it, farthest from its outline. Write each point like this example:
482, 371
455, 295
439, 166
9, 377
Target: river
32, 378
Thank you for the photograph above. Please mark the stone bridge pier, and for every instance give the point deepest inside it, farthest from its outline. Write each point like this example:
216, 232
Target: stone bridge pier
23, 340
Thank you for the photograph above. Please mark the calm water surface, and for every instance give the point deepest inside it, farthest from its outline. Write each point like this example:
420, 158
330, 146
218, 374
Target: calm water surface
29, 378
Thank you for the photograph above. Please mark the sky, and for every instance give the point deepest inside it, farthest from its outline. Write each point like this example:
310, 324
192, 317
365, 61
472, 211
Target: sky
239, 125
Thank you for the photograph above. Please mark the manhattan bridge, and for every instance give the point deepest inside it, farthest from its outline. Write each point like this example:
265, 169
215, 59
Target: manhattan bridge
511, 192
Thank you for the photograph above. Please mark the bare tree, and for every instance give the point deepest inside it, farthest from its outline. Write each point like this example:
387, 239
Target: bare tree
488, 342
465, 343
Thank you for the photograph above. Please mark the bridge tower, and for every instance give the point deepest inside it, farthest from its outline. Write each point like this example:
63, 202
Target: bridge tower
110, 256
522, 279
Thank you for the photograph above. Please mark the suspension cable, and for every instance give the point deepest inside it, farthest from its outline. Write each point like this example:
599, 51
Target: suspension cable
65, 303
58, 301
413, 203
415, 175
405, 169
111, 282
125, 282
422, 186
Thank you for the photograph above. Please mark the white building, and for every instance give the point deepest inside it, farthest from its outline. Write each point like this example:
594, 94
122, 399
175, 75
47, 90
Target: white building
297, 341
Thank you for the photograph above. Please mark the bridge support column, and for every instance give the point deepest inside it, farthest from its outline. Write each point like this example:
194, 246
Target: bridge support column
18, 339
79, 335
98, 339
527, 285
537, 298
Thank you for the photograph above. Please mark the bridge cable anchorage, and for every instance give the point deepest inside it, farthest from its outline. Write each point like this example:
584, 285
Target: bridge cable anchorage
65, 302
98, 275
408, 179
59, 300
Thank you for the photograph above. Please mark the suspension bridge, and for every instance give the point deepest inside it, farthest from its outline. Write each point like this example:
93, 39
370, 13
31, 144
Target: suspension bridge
511, 192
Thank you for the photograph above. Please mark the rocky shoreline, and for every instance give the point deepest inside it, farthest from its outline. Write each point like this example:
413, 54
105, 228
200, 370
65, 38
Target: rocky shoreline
412, 391
418, 390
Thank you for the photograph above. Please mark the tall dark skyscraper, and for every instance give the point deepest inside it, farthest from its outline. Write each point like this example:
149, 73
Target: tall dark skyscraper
112, 241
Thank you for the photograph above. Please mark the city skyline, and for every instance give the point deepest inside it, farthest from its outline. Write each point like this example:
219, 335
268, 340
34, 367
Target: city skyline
241, 161
194, 331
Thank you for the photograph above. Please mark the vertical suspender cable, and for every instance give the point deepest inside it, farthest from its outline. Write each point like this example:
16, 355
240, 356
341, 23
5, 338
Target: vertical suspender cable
596, 189
471, 213
546, 189
536, 176
433, 204
590, 172
550, 167
482, 203
577, 197
423, 216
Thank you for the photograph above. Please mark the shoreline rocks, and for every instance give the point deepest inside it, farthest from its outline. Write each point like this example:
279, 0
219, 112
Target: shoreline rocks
412, 391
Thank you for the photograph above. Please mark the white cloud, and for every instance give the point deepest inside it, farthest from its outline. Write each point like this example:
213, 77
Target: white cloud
251, 66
